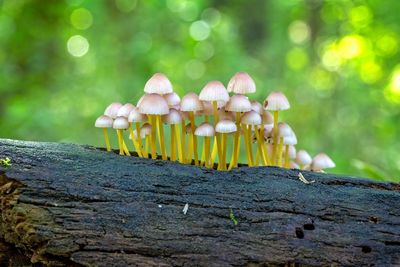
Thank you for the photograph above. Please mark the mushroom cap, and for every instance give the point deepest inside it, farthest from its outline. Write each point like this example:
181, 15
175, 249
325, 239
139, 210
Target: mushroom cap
292, 152
136, 116
322, 161
153, 104
173, 117
241, 83
267, 117
125, 110
284, 130
238, 103
158, 84
293, 165
103, 122
205, 129
207, 108
303, 158
112, 110
251, 118
145, 129
225, 115
257, 107
225, 126
172, 99
121, 123
191, 102
276, 101
214, 91
268, 130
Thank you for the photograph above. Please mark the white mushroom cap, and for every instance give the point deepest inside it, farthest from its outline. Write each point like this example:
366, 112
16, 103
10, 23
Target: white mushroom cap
191, 102
238, 103
136, 116
225, 115
267, 117
112, 110
251, 118
158, 84
207, 108
276, 101
145, 129
173, 117
125, 110
293, 165
257, 107
172, 99
140, 100
225, 126
103, 122
205, 129
268, 130
303, 158
214, 91
241, 83
284, 130
120, 123
322, 161
292, 152
153, 104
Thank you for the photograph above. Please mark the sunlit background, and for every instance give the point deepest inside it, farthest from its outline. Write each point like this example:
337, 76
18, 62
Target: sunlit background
63, 62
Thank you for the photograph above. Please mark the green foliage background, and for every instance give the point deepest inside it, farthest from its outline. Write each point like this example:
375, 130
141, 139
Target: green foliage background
63, 62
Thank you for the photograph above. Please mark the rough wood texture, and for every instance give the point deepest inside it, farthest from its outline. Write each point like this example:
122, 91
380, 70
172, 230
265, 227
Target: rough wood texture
65, 204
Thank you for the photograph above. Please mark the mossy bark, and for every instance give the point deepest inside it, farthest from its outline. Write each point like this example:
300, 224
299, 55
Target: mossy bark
66, 204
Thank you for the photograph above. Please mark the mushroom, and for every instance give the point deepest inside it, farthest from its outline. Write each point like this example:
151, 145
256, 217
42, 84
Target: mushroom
276, 101
322, 161
154, 105
241, 83
303, 158
172, 99
257, 107
290, 154
253, 120
222, 128
120, 124
237, 104
136, 117
207, 131
158, 84
104, 122
173, 118
125, 110
112, 110
286, 137
191, 103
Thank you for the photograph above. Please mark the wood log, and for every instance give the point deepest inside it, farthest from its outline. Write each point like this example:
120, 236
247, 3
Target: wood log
74, 205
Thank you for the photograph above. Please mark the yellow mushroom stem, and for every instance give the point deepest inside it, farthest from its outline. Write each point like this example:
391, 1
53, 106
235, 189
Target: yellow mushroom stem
181, 143
257, 161
146, 148
287, 160
108, 146
224, 148
190, 150
194, 138
161, 138
247, 138
135, 140
280, 150
173, 142
207, 141
275, 139
126, 150
139, 140
121, 151
219, 148
203, 154
214, 152
205, 118
260, 145
153, 136
264, 146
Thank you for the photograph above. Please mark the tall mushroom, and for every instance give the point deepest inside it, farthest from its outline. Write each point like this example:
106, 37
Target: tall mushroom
276, 101
154, 105
105, 122
223, 128
120, 124
191, 103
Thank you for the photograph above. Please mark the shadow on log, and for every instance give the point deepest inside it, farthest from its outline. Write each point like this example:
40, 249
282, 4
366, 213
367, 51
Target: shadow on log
72, 205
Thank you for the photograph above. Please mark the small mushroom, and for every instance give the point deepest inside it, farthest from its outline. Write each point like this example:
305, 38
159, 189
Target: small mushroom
120, 124
173, 118
322, 161
105, 122
207, 131
222, 128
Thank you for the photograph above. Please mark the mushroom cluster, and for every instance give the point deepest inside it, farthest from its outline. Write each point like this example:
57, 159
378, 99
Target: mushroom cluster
210, 119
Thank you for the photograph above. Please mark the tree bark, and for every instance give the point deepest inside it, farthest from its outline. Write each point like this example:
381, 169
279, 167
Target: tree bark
73, 205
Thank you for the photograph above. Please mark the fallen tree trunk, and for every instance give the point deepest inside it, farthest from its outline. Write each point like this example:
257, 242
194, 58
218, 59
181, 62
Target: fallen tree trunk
66, 204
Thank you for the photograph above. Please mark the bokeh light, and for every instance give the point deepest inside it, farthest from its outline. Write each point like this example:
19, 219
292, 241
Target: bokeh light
77, 46
199, 30
81, 19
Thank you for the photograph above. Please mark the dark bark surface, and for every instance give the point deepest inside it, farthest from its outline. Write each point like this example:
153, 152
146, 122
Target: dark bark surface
66, 204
